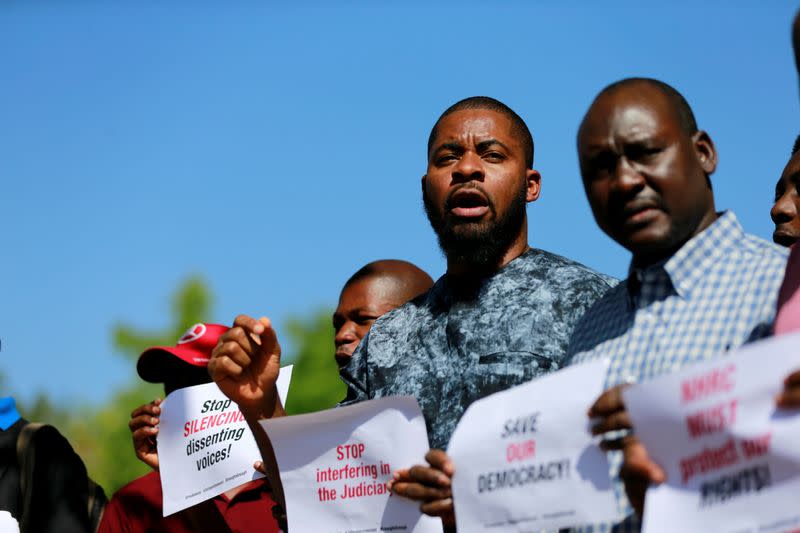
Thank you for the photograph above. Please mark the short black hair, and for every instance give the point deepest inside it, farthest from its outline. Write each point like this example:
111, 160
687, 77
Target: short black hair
396, 268
486, 102
796, 147
685, 113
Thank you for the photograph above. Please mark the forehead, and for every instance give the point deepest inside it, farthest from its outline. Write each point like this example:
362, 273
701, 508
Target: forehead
469, 125
635, 113
792, 169
372, 291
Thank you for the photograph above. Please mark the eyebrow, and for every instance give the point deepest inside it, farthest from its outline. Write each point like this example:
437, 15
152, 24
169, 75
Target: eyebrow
457, 147
453, 146
483, 145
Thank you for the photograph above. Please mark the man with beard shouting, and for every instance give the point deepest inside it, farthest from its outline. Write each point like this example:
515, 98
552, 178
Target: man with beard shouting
501, 315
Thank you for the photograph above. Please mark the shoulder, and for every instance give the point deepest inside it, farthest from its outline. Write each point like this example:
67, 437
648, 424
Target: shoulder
564, 271
606, 316
147, 487
770, 255
406, 316
134, 507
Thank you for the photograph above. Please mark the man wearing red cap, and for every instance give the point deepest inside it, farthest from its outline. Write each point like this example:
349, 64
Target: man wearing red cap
137, 507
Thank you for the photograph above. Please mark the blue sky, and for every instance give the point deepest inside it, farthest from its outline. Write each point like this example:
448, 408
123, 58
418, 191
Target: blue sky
274, 149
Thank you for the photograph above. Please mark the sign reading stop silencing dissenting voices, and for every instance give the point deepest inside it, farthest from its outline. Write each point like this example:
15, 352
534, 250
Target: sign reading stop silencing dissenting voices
525, 459
204, 444
335, 466
730, 455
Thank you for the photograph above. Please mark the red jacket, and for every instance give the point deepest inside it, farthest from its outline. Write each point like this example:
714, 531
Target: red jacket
136, 508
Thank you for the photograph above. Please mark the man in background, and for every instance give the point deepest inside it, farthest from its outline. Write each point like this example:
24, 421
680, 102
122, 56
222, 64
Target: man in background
373, 291
138, 506
785, 212
698, 285
58, 490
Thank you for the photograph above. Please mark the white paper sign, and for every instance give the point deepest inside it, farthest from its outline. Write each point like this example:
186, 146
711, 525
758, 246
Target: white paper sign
525, 459
204, 444
731, 457
335, 465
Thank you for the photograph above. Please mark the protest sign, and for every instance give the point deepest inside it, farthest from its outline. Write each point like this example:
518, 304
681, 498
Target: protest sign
204, 444
730, 455
335, 466
525, 459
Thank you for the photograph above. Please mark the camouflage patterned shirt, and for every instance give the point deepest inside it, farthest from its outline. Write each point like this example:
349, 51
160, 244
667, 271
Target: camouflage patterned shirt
454, 345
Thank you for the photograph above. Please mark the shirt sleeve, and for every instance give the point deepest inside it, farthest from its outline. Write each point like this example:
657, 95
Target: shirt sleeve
355, 375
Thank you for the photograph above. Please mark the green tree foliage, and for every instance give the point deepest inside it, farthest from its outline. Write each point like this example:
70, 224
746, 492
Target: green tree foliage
101, 436
109, 454
315, 380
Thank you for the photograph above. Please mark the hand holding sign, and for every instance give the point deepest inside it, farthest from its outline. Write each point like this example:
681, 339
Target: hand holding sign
638, 470
245, 365
790, 398
429, 485
144, 429
611, 415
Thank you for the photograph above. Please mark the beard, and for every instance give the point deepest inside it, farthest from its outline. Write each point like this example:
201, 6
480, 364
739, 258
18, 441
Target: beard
481, 244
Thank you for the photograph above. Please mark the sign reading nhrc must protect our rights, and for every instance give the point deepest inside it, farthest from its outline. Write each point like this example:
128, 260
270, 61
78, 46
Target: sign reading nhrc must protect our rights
204, 444
730, 454
335, 466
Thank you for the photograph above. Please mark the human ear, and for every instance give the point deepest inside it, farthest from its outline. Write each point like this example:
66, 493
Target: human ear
706, 152
533, 185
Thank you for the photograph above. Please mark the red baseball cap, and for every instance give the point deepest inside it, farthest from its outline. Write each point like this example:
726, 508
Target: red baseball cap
194, 348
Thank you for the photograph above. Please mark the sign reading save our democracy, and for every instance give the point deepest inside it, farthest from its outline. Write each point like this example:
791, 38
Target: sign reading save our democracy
525, 459
335, 466
730, 455
204, 444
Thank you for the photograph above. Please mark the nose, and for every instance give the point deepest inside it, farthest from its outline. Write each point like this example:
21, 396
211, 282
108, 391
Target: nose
784, 210
345, 334
626, 178
469, 167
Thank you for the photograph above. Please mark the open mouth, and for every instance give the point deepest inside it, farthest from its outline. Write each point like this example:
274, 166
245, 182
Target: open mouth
467, 203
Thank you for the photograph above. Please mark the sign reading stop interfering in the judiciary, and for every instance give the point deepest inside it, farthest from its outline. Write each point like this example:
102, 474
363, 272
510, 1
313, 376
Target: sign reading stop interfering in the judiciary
204, 444
335, 466
731, 456
525, 459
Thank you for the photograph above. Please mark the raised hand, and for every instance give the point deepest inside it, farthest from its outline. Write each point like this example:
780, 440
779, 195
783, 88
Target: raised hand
245, 366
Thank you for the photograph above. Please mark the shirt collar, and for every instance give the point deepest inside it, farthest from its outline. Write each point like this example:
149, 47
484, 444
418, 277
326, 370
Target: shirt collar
686, 266
443, 291
8, 412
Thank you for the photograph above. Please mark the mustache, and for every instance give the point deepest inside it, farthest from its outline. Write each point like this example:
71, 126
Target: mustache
624, 204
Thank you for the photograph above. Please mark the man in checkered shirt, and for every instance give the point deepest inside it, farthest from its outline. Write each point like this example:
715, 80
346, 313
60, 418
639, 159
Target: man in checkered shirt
698, 285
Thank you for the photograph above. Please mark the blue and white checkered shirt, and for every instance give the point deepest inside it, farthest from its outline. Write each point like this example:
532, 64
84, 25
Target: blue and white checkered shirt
716, 293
